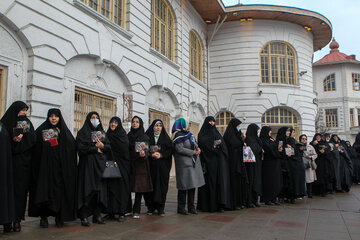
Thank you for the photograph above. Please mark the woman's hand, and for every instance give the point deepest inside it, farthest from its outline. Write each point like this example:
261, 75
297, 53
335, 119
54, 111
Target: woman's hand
99, 150
156, 155
18, 138
280, 149
142, 153
197, 151
322, 150
99, 144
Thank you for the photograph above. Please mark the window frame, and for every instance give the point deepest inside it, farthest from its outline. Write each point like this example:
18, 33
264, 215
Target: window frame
355, 76
86, 108
169, 34
111, 10
163, 116
195, 55
279, 70
352, 117
329, 83
223, 115
331, 119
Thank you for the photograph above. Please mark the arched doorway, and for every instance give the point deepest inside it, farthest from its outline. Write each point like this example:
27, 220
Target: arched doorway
278, 117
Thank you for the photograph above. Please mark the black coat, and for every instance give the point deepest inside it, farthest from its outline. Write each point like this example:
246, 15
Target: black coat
254, 169
21, 156
119, 188
7, 207
160, 168
55, 173
216, 191
271, 167
91, 164
356, 163
237, 172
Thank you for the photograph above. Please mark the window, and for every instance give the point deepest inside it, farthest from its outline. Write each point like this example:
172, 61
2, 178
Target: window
165, 117
278, 64
196, 62
352, 118
222, 121
87, 101
329, 83
2, 89
331, 118
111, 9
162, 28
278, 117
356, 81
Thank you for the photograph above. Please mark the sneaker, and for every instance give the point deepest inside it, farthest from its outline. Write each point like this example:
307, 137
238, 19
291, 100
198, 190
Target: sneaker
136, 215
121, 218
128, 214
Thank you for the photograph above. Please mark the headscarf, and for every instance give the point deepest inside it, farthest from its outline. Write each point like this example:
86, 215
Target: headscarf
137, 135
264, 133
11, 117
252, 136
333, 138
119, 140
84, 134
281, 134
163, 137
302, 135
180, 133
209, 133
231, 132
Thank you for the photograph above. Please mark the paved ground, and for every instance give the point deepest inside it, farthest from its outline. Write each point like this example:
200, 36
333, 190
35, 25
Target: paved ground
334, 217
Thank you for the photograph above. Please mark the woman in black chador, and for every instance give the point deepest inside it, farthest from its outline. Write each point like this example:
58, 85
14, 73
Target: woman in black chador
282, 138
253, 169
215, 194
356, 146
271, 168
345, 164
21, 130
55, 170
235, 142
7, 207
160, 165
92, 147
119, 188
141, 182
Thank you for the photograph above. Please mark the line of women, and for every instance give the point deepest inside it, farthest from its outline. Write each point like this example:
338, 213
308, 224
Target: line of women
95, 174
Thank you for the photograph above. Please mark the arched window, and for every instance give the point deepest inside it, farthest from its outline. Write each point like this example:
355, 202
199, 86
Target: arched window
278, 117
162, 28
222, 120
111, 9
3, 74
329, 83
278, 64
196, 60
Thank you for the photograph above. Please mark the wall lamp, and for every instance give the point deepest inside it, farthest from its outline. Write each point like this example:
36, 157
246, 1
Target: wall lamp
307, 28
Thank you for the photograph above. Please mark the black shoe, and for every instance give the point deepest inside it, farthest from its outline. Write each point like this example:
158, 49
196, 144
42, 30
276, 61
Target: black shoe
251, 206
193, 211
150, 212
221, 210
44, 223
277, 203
269, 203
17, 226
7, 228
85, 222
98, 220
182, 212
292, 201
59, 223
257, 204
121, 218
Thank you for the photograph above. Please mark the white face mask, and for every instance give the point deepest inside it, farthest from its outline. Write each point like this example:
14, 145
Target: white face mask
239, 129
95, 122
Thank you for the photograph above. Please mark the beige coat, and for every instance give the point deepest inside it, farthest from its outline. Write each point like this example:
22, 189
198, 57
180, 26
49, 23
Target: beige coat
310, 155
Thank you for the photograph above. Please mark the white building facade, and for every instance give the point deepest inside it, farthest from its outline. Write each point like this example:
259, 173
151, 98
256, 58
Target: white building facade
151, 58
336, 81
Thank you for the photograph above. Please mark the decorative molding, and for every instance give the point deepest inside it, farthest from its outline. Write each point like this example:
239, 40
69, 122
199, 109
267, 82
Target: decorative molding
197, 81
164, 58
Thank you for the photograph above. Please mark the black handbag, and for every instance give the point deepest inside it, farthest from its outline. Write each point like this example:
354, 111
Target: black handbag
111, 170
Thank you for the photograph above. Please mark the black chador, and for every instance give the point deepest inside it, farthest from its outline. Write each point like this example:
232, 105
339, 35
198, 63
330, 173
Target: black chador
215, 194
237, 172
324, 165
119, 188
21, 156
356, 146
55, 172
92, 194
271, 168
254, 169
7, 207
159, 167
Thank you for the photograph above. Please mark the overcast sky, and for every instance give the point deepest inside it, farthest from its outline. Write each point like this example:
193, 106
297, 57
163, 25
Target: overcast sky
344, 16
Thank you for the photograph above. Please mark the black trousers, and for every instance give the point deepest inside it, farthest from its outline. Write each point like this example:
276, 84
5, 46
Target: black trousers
309, 189
190, 199
137, 202
93, 207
